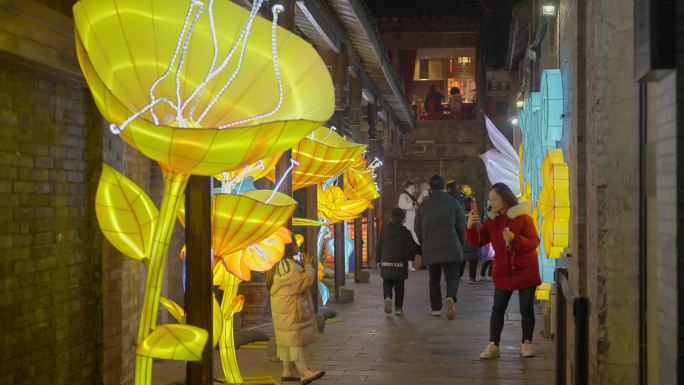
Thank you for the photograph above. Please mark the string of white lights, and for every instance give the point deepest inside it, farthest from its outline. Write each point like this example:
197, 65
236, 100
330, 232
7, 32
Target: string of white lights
248, 29
276, 10
116, 130
293, 164
244, 33
214, 40
181, 121
173, 60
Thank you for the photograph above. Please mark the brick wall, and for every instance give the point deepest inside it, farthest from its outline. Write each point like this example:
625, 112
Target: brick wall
69, 301
51, 267
666, 227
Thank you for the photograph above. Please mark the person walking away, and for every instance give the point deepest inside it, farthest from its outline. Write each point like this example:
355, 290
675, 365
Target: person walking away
440, 225
452, 189
293, 313
511, 231
395, 248
456, 103
471, 254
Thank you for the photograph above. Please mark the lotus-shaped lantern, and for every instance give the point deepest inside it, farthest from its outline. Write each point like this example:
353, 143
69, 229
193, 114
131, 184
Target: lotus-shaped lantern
334, 206
322, 155
191, 85
359, 182
201, 87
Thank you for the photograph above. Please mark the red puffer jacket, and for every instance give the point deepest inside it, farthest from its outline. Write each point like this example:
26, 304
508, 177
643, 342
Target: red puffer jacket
518, 267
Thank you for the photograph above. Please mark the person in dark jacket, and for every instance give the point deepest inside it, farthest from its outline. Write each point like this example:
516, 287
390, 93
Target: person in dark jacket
439, 226
395, 249
452, 189
513, 235
471, 254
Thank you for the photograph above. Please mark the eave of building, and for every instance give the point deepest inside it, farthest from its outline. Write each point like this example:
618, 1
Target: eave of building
348, 23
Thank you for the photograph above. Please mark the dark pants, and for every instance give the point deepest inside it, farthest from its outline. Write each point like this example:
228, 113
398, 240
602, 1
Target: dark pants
451, 276
472, 269
398, 286
501, 298
486, 269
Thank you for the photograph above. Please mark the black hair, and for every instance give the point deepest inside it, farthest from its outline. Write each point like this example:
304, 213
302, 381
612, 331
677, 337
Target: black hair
397, 215
436, 183
454, 91
451, 186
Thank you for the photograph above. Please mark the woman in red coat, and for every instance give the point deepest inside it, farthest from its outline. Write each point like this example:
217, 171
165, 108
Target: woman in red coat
511, 232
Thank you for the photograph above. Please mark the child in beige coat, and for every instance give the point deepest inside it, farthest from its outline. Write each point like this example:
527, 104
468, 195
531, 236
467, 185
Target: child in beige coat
292, 308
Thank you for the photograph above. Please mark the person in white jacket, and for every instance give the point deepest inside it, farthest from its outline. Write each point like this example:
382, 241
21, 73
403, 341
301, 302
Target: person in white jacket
408, 203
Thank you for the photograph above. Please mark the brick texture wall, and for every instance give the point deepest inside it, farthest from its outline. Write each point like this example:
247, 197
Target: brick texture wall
69, 302
51, 267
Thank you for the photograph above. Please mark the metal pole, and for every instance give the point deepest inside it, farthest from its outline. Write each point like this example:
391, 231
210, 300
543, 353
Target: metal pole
358, 248
581, 312
311, 235
560, 329
198, 262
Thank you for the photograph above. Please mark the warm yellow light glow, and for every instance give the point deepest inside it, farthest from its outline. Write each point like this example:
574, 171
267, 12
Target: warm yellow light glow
359, 182
554, 203
126, 215
125, 46
543, 292
322, 155
174, 342
334, 206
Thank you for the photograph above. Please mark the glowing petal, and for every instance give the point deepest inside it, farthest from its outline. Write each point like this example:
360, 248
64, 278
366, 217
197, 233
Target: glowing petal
124, 46
322, 155
359, 182
174, 342
176, 311
334, 206
126, 215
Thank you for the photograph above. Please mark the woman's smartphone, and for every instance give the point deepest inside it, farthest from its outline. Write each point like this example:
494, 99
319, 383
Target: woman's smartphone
473, 206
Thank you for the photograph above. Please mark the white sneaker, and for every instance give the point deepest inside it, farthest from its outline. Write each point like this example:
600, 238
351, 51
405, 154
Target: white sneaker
491, 351
398, 311
388, 305
526, 349
450, 310
436, 313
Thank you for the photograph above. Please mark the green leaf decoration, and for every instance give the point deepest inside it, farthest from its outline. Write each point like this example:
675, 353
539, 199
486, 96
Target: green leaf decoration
174, 309
126, 215
174, 342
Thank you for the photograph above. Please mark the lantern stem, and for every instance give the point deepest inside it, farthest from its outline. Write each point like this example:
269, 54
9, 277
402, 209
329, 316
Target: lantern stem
227, 340
174, 188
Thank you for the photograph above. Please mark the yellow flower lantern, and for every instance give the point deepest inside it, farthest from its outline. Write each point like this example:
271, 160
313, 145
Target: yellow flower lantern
554, 203
334, 206
229, 270
320, 156
359, 182
201, 88
151, 77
